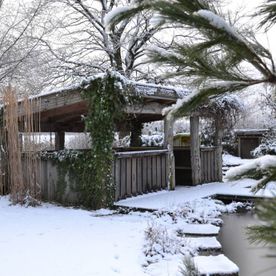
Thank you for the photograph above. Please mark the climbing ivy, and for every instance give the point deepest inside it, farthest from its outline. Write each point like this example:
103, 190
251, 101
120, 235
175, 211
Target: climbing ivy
106, 101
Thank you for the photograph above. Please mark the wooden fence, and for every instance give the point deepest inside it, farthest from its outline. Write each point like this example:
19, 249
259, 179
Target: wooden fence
139, 172
135, 173
210, 166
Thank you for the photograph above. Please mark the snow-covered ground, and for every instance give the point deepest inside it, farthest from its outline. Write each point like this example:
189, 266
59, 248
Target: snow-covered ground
51, 240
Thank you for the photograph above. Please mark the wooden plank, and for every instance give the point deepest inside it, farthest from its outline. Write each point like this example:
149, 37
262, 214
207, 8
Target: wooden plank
163, 170
154, 173
133, 176
139, 176
128, 176
158, 172
117, 178
149, 174
122, 178
209, 167
144, 174
143, 153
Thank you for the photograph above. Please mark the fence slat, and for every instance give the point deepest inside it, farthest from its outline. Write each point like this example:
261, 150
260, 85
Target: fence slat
128, 176
133, 176
139, 176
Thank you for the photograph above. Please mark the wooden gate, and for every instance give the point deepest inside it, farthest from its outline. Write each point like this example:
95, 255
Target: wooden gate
139, 172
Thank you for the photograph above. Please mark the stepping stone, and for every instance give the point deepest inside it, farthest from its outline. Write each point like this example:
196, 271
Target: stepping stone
215, 266
199, 230
204, 243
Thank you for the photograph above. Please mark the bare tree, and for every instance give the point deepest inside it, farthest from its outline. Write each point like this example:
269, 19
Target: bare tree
17, 47
85, 45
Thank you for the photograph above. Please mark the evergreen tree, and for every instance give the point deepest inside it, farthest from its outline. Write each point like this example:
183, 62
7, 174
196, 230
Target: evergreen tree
219, 57
217, 61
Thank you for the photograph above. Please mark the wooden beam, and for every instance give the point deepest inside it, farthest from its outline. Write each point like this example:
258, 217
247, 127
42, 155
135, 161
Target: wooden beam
145, 108
195, 150
168, 143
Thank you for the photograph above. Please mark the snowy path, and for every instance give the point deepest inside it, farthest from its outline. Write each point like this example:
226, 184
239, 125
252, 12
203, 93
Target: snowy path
171, 199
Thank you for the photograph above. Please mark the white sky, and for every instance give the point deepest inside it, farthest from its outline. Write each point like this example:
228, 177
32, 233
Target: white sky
246, 7
250, 7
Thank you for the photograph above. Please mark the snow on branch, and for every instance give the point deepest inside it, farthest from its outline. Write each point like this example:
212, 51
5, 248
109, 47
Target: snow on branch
262, 168
218, 22
114, 13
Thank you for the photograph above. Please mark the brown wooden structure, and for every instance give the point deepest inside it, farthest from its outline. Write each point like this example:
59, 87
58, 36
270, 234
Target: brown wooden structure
248, 140
135, 172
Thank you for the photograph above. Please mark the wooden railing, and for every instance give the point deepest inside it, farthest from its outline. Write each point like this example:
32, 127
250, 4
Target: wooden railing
139, 172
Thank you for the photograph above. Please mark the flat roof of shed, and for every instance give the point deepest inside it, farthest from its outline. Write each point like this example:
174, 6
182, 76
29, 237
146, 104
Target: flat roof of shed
63, 109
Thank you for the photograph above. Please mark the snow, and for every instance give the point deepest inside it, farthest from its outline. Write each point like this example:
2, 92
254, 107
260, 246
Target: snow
141, 88
204, 243
219, 265
231, 160
199, 229
169, 200
50, 240
218, 22
260, 164
65, 241
173, 108
114, 13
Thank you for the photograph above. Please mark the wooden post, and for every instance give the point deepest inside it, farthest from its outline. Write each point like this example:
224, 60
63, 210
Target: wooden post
168, 143
59, 140
218, 144
195, 150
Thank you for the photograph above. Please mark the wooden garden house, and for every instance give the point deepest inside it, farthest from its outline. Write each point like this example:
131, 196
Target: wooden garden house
135, 171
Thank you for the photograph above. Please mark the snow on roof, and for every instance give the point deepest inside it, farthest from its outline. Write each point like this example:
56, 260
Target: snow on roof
250, 131
142, 88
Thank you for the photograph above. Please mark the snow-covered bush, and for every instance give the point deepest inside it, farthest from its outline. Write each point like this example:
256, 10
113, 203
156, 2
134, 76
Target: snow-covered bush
267, 146
159, 242
154, 140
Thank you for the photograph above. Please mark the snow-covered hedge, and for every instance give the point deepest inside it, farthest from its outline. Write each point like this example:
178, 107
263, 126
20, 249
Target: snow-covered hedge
267, 146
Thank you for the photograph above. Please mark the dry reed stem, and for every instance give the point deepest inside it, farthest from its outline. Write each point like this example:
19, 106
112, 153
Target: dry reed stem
13, 148
24, 187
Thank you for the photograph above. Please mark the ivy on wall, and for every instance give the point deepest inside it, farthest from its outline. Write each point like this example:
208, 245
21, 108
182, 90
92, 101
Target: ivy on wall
90, 173
106, 97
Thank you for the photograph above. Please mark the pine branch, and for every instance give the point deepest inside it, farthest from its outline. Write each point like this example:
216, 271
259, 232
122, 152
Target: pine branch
268, 12
265, 233
184, 106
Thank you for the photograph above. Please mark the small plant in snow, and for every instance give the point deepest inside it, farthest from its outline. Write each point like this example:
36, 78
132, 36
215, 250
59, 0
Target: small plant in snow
159, 242
189, 268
